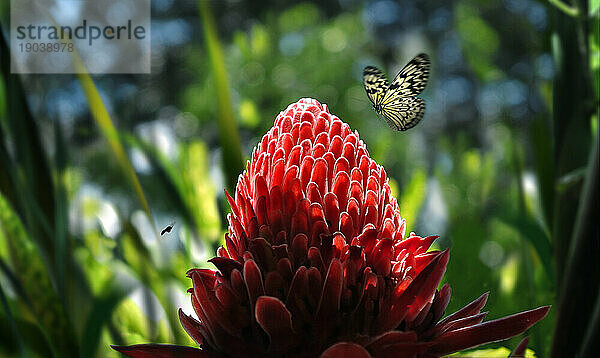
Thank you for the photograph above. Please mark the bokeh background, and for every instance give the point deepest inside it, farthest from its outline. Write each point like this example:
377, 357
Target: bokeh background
92, 167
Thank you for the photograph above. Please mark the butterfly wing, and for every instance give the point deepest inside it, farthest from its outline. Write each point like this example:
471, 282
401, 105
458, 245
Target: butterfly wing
375, 83
411, 80
403, 112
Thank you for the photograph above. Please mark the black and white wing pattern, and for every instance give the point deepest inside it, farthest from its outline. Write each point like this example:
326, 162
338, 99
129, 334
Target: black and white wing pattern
375, 83
411, 80
397, 102
404, 112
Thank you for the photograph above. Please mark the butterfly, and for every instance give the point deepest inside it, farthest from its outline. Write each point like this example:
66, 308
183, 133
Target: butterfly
167, 229
398, 102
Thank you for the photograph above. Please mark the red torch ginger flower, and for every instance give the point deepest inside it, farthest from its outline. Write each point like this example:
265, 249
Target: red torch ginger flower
316, 262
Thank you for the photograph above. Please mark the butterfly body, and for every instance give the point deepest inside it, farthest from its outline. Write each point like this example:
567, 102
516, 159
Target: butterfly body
398, 102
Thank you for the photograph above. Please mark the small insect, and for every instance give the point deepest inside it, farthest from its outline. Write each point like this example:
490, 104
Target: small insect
398, 102
167, 229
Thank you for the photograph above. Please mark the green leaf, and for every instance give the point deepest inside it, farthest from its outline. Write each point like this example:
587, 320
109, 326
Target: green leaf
46, 306
228, 133
594, 6
538, 238
479, 40
501, 352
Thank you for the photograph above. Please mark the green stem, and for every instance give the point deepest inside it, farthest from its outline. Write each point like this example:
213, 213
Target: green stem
582, 272
569, 10
525, 246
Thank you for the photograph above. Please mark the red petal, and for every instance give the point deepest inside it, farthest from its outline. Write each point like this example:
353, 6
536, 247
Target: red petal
286, 141
163, 351
299, 249
349, 153
284, 267
486, 332
346, 350
341, 165
225, 266
414, 297
323, 138
315, 286
347, 226
232, 204
335, 128
260, 209
392, 337
356, 175
306, 170
329, 303
316, 213
440, 302
340, 189
519, 352
306, 148
367, 240
460, 323
469, 310
253, 279
193, 328
354, 212
332, 210
276, 321
306, 130
330, 159
319, 174
313, 194
322, 124
294, 157
428, 289
315, 258
318, 150
299, 224
298, 287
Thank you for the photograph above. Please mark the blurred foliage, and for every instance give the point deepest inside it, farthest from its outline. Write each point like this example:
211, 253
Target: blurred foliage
91, 167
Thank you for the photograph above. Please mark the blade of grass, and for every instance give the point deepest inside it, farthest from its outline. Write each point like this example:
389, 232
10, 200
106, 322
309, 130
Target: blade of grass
166, 172
517, 159
137, 256
37, 345
61, 230
188, 182
30, 173
102, 311
530, 230
102, 118
582, 272
541, 138
13, 326
228, 133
